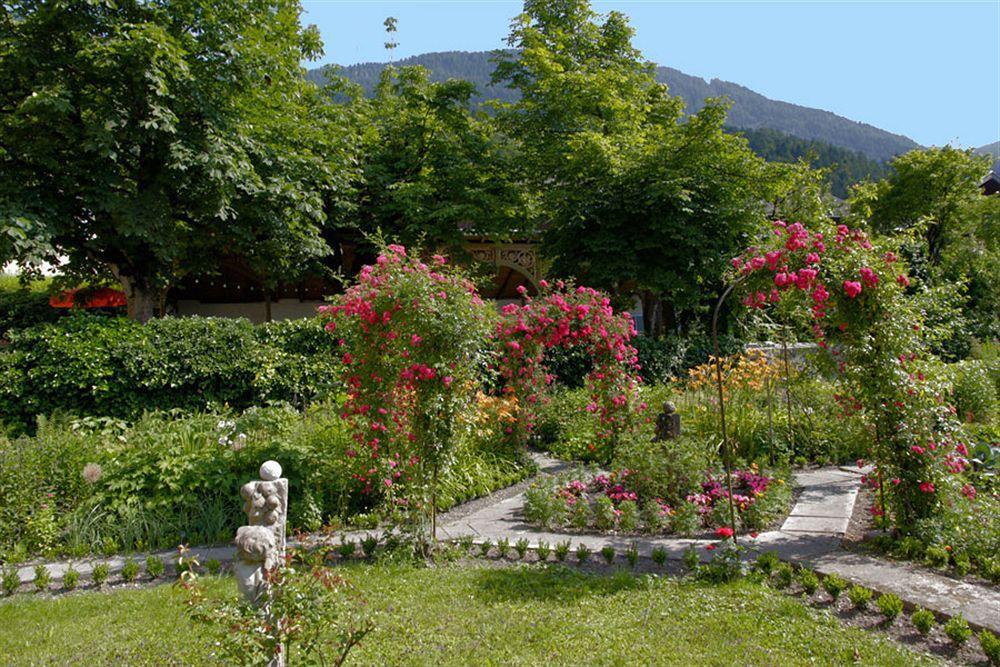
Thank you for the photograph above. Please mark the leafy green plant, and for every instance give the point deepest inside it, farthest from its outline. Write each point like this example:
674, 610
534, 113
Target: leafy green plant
521, 546
963, 565
212, 566
604, 513
691, 559
130, 570
937, 556
543, 550
783, 575
484, 547
562, 550
100, 573
71, 578
659, 556
890, 606
11, 581
608, 552
990, 645
310, 611
42, 578
370, 543
766, 562
582, 553
834, 585
628, 519
465, 542
632, 555
809, 581
346, 548
579, 515
503, 547
923, 620
958, 630
685, 520
652, 517
859, 596
154, 566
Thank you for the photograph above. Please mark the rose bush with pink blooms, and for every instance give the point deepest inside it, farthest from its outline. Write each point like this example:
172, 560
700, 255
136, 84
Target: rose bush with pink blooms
563, 316
414, 336
852, 292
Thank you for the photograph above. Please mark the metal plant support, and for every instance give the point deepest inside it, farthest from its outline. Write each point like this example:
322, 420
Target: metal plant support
726, 448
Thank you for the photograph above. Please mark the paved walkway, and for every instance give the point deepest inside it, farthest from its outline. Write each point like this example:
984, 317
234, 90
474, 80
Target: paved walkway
810, 536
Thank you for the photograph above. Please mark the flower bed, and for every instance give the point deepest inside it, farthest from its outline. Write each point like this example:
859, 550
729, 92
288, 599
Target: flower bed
610, 502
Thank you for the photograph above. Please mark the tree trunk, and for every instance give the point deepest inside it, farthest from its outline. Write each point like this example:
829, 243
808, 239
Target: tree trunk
140, 300
267, 305
648, 311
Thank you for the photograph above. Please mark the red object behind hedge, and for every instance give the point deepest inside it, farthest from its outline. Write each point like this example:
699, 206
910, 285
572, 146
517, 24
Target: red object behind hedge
104, 297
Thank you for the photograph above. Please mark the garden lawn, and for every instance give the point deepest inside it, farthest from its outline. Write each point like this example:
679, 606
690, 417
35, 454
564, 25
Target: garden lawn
474, 615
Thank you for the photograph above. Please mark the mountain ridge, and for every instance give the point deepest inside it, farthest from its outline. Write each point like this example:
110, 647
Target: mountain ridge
750, 109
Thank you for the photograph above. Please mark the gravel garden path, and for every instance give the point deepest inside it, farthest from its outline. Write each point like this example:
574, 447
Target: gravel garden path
811, 536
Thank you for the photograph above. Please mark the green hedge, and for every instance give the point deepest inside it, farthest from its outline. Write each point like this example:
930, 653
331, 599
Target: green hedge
24, 308
116, 367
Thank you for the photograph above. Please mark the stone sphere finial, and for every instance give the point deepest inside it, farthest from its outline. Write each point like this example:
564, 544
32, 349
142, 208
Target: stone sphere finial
270, 471
668, 407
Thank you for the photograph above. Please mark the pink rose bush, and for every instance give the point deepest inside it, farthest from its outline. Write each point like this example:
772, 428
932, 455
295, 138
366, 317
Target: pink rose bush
414, 336
564, 316
853, 295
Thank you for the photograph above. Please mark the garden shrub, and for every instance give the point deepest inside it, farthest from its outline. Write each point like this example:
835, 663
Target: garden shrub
923, 620
89, 485
859, 596
975, 393
809, 581
10, 579
834, 585
958, 630
116, 367
783, 575
580, 318
990, 645
23, 308
890, 605
43, 578
669, 470
70, 578
100, 573
413, 338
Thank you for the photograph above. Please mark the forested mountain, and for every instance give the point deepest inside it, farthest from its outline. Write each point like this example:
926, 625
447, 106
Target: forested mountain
990, 149
846, 167
750, 109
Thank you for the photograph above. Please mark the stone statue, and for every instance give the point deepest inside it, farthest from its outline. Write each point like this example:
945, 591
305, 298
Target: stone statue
668, 424
260, 545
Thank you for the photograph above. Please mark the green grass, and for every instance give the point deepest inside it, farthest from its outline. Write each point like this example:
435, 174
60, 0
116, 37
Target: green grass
475, 615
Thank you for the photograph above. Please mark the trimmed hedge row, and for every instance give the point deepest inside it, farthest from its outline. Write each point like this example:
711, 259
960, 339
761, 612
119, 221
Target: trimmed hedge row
116, 367
24, 308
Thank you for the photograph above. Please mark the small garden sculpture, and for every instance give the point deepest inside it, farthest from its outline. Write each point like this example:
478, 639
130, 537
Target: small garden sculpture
668, 424
260, 546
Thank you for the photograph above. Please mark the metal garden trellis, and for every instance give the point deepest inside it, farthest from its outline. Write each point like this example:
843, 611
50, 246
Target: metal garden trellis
727, 450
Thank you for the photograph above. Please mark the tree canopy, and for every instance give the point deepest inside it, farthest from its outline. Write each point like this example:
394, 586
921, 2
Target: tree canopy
141, 140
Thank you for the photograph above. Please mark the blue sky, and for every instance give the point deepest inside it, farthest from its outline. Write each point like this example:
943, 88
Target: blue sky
927, 69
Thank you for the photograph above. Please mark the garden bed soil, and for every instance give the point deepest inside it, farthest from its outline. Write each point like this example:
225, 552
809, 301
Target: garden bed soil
935, 643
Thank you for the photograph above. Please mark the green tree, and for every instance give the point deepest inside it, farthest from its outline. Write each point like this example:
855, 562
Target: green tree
142, 140
431, 171
934, 196
636, 198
